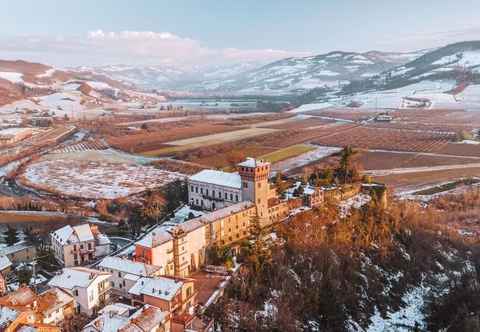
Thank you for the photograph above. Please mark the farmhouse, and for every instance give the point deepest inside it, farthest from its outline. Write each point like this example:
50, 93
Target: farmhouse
78, 245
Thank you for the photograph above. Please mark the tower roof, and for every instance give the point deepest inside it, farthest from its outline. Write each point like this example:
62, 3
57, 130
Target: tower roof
252, 162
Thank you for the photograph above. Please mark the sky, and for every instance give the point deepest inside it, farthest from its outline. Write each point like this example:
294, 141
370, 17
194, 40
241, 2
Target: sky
205, 32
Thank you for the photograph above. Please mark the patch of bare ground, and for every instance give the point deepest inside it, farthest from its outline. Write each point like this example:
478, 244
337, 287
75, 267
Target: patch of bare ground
155, 136
179, 166
372, 160
421, 179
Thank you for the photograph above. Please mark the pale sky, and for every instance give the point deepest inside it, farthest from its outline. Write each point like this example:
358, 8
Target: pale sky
199, 32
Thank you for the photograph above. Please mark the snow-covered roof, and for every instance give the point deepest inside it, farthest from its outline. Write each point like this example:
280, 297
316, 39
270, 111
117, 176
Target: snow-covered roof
75, 234
252, 163
84, 232
109, 321
7, 315
159, 287
225, 212
155, 238
77, 277
15, 248
118, 308
218, 178
53, 299
145, 319
4, 263
128, 266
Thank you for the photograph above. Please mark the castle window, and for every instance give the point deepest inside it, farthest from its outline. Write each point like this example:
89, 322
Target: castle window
219, 195
213, 193
236, 198
196, 190
207, 192
245, 185
226, 196
191, 189
231, 197
201, 190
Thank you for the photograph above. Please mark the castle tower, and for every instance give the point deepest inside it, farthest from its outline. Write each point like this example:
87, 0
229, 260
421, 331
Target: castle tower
255, 188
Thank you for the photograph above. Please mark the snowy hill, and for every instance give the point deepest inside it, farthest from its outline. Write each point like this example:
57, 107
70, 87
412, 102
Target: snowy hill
458, 62
297, 75
169, 77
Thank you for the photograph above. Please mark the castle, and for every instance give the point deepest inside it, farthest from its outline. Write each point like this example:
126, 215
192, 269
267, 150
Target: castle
232, 200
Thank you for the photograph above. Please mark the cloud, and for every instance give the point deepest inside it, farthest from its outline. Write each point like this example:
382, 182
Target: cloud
100, 47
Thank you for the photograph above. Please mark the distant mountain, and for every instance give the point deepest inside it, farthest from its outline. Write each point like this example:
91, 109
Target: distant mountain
456, 62
297, 75
169, 77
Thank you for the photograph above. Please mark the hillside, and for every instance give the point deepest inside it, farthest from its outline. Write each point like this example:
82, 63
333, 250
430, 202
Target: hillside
297, 75
168, 77
458, 62
374, 271
22, 80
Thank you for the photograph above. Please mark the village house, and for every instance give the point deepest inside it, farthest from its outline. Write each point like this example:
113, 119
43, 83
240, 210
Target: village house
121, 317
89, 287
23, 310
22, 252
125, 273
173, 295
156, 248
79, 245
55, 306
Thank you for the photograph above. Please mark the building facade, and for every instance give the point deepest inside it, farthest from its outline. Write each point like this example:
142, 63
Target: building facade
90, 288
211, 190
79, 245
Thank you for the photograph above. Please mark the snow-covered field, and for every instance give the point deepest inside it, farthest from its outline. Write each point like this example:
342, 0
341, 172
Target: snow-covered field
12, 76
305, 159
94, 179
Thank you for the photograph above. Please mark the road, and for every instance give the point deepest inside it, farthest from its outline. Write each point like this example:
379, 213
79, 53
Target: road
408, 170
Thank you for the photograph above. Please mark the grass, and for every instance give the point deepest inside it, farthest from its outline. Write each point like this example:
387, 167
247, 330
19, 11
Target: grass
286, 153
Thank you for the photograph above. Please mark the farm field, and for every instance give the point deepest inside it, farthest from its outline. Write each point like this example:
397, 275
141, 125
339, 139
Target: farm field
414, 181
154, 139
208, 140
304, 159
94, 179
377, 160
286, 153
230, 153
388, 139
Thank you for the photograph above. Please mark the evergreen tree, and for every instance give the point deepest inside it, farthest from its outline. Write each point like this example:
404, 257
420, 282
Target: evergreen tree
10, 236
